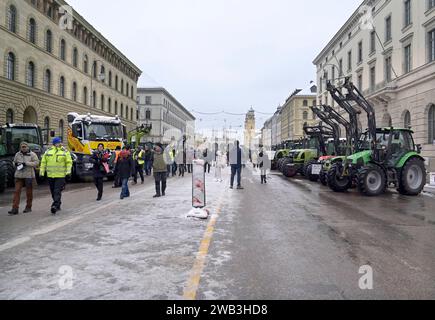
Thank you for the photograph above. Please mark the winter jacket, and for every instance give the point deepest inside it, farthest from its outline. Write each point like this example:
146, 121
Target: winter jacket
30, 161
98, 158
236, 157
159, 164
56, 162
125, 167
148, 155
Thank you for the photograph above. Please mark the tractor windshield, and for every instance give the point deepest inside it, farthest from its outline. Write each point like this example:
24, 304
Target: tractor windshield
11, 138
401, 140
312, 143
103, 131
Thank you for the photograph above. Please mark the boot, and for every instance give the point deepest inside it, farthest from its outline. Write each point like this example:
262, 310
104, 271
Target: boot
13, 212
157, 195
27, 210
163, 188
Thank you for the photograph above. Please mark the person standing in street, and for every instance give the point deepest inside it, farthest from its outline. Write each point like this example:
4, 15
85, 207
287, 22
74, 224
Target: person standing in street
160, 171
25, 162
98, 159
148, 160
174, 162
57, 163
264, 164
126, 169
180, 159
220, 164
139, 160
206, 157
236, 160
113, 164
189, 159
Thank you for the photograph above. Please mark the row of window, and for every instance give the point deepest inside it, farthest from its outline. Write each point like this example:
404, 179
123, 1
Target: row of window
374, 37
128, 89
10, 118
388, 64
47, 86
54, 12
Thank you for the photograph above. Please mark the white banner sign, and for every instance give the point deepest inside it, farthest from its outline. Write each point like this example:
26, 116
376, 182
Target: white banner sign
198, 185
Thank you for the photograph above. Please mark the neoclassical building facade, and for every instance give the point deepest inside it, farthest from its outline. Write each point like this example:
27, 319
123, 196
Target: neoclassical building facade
387, 47
168, 117
54, 63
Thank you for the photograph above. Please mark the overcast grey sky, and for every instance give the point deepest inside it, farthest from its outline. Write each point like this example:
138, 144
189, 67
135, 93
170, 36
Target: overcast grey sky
215, 55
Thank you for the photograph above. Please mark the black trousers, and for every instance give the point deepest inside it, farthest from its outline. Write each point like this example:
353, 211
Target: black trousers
181, 170
207, 167
139, 169
99, 184
189, 168
160, 178
56, 187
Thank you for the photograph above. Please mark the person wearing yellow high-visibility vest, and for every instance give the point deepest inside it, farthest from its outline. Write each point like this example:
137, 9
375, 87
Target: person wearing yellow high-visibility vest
139, 160
57, 163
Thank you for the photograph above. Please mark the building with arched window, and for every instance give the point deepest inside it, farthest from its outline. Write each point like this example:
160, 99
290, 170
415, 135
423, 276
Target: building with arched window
395, 66
46, 70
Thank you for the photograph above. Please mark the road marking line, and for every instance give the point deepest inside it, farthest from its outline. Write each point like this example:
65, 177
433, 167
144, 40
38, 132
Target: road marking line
191, 289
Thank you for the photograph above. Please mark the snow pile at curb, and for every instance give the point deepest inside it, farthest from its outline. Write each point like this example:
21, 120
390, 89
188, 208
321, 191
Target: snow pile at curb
198, 213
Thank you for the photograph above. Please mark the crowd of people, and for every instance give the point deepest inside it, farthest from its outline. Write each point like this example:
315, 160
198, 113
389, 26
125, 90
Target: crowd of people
124, 164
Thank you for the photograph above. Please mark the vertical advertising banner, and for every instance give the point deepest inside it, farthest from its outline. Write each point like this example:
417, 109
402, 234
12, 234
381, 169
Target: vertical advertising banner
198, 184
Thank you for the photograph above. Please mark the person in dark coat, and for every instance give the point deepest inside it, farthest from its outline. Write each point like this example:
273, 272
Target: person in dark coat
236, 160
126, 169
160, 172
148, 160
98, 158
113, 164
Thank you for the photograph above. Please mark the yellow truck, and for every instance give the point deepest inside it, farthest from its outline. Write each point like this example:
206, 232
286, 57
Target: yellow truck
85, 133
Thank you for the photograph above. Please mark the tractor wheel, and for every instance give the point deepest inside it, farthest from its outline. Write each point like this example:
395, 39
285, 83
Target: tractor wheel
372, 181
284, 163
7, 173
2, 176
308, 169
323, 177
10, 175
289, 172
412, 178
336, 182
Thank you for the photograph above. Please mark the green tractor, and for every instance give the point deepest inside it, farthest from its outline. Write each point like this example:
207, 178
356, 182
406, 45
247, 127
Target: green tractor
384, 157
282, 155
11, 136
335, 146
314, 147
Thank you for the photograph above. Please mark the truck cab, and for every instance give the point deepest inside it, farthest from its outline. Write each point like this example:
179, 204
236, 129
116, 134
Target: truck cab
85, 133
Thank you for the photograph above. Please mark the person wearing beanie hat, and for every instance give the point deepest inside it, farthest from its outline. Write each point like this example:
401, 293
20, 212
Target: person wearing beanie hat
57, 163
25, 162
160, 170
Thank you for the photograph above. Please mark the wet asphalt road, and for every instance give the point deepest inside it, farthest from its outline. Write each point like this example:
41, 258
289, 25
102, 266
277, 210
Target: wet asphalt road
289, 239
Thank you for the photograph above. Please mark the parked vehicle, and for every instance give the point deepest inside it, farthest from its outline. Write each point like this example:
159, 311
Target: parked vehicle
315, 147
11, 136
389, 157
85, 133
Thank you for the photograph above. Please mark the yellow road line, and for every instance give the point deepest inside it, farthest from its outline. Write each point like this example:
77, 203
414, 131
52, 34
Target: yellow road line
192, 286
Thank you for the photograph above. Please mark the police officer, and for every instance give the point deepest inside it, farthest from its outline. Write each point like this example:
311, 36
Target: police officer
57, 163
